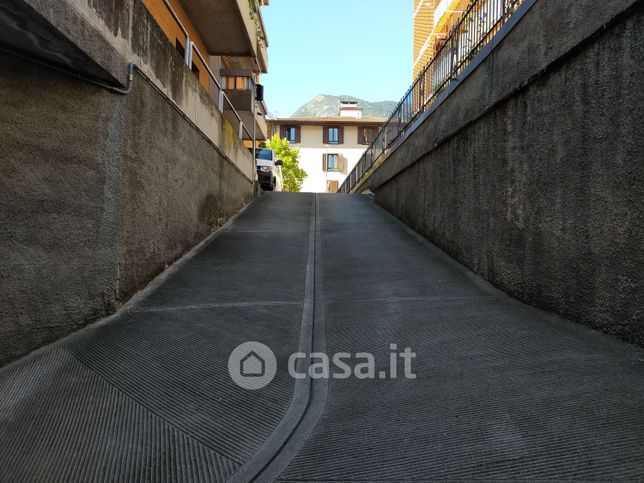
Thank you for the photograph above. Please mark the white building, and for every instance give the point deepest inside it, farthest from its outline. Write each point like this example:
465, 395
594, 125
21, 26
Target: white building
329, 146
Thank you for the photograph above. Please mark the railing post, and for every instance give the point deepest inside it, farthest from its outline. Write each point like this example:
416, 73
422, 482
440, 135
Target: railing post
187, 56
220, 104
241, 129
454, 56
421, 94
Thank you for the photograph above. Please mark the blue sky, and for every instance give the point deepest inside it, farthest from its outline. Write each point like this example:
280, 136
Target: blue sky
361, 48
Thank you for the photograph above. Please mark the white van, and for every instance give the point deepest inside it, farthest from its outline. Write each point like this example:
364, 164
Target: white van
269, 170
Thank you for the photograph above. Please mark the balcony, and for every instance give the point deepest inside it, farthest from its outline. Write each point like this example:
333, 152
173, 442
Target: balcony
240, 91
238, 33
261, 133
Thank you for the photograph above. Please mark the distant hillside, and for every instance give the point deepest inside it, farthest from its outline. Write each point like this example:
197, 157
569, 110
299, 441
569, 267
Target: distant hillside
322, 106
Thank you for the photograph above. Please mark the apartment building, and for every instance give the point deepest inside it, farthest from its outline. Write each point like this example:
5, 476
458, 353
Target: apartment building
433, 20
330, 147
228, 41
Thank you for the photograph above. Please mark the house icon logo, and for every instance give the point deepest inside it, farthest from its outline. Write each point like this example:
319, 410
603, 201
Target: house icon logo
252, 365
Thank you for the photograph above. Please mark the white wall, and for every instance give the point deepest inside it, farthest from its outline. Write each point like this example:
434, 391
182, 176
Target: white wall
312, 150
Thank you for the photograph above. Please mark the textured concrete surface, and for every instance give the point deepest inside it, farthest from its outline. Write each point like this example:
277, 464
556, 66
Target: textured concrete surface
503, 390
147, 396
99, 193
530, 173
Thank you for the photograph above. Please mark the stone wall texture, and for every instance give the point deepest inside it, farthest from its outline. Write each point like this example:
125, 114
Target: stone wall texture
532, 172
99, 193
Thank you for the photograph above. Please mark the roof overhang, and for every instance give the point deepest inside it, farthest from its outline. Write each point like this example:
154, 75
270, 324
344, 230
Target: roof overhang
230, 28
321, 121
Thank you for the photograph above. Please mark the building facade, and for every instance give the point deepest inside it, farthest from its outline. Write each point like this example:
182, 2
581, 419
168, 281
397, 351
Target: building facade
228, 41
433, 20
330, 147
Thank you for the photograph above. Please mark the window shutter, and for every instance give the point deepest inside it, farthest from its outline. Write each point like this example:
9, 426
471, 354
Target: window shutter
342, 163
360, 135
341, 135
282, 132
324, 162
298, 134
325, 135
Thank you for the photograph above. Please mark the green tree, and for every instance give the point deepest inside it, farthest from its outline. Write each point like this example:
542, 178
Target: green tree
290, 156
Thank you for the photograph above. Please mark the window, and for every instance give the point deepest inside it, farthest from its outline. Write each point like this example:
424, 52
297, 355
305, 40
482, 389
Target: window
332, 135
290, 133
332, 162
332, 186
236, 83
366, 135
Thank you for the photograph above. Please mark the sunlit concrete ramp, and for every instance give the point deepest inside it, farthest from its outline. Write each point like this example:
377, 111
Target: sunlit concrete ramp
502, 390
147, 396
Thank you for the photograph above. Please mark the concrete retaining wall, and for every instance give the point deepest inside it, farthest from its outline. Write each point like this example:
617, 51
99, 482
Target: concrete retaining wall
531, 172
98, 38
99, 192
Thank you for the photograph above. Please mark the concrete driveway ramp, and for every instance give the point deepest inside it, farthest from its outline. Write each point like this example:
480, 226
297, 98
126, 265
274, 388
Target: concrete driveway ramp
499, 390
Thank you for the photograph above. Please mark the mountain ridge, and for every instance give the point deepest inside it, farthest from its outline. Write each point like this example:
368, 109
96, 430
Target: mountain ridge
325, 105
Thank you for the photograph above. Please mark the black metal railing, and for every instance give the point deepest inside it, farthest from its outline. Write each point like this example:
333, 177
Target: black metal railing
478, 25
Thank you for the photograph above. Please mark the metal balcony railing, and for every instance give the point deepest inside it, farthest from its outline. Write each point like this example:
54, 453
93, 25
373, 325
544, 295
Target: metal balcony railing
480, 22
221, 97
